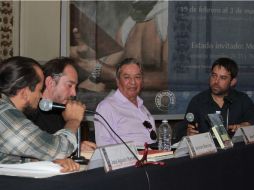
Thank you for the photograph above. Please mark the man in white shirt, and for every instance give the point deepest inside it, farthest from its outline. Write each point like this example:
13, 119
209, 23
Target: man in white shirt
124, 110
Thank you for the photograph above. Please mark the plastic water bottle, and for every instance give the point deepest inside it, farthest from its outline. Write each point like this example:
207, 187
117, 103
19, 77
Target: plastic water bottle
165, 135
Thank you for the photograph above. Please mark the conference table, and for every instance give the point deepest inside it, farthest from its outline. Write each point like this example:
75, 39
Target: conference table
227, 169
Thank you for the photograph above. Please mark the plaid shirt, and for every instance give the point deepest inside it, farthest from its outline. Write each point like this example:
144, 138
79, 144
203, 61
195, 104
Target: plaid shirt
21, 139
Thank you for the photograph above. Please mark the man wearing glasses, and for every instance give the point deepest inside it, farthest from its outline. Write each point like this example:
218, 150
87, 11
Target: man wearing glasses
124, 109
236, 108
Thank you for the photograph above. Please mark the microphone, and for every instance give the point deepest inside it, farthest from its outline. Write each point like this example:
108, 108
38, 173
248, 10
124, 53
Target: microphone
190, 118
48, 105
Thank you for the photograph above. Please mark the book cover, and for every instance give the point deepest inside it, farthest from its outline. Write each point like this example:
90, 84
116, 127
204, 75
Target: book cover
156, 155
219, 131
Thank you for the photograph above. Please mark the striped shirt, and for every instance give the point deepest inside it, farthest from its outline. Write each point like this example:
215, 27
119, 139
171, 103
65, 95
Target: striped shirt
21, 140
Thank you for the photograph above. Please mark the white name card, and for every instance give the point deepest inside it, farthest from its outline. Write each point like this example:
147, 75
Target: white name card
201, 144
195, 145
247, 134
118, 156
96, 160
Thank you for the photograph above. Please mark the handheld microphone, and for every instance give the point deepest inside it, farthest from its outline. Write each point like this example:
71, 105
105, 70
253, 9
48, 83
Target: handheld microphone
48, 105
190, 118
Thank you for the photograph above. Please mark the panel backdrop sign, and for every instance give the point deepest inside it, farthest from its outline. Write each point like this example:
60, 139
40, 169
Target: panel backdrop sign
176, 42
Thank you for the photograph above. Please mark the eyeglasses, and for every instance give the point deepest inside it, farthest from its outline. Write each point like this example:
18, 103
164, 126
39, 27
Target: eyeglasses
148, 126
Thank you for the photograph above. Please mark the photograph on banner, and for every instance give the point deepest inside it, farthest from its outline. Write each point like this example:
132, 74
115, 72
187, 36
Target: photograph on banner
176, 42
137, 29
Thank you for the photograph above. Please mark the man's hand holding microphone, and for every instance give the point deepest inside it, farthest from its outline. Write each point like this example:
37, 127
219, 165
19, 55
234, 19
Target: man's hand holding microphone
192, 127
73, 115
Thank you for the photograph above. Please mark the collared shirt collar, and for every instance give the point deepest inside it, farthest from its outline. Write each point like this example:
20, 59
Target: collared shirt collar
5, 98
123, 99
231, 95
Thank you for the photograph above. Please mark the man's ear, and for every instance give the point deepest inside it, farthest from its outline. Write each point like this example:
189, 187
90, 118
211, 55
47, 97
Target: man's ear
233, 82
21, 98
24, 93
49, 82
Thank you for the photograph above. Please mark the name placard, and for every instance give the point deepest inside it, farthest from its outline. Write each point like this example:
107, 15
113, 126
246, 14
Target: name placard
247, 134
96, 160
200, 144
118, 156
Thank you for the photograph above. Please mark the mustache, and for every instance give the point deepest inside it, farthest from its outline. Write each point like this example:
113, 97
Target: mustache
72, 98
215, 86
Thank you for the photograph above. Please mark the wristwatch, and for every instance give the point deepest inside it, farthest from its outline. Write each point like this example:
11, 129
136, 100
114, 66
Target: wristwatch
95, 76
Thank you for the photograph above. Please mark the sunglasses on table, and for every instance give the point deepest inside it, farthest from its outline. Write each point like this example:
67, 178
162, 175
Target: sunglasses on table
149, 127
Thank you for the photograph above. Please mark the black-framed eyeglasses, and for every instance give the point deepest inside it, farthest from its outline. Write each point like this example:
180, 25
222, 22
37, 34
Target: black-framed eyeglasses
148, 126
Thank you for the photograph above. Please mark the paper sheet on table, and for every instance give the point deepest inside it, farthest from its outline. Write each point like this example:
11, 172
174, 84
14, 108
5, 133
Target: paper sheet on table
40, 169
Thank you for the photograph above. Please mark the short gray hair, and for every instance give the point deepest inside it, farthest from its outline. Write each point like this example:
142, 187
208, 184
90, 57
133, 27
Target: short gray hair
127, 61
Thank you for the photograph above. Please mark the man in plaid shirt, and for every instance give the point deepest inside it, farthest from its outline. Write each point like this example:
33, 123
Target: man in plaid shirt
21, 82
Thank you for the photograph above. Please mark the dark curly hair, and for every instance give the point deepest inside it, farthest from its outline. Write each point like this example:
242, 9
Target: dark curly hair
57, 65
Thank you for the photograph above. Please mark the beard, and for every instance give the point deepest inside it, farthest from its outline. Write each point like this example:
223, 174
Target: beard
29, 111
220, 92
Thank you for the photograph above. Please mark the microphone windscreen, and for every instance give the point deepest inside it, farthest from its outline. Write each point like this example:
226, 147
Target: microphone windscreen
189, 117
45, 105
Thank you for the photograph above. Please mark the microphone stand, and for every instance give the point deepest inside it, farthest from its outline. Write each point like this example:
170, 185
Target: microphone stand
139, 163
78, 158
48, 105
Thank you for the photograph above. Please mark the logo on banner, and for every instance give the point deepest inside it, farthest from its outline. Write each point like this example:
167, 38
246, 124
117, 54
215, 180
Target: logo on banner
164, 100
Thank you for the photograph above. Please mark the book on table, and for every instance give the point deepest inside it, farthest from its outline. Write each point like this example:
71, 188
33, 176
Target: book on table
219, 131
156, 155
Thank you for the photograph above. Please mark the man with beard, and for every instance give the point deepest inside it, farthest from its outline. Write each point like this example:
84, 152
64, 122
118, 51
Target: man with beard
61, 79
236, 108
21, 82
